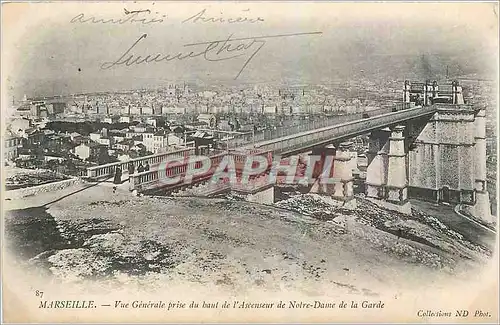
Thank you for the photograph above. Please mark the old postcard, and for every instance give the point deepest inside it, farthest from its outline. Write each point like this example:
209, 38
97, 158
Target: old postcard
249, 162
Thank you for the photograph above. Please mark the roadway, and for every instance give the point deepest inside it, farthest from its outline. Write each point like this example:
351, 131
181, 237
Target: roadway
472, 231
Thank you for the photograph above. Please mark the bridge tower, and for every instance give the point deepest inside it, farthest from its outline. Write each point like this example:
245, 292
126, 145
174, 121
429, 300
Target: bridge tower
406, 92
448, 159
435, 89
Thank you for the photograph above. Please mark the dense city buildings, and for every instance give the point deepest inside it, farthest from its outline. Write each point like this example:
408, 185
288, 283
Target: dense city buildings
72, 132
82, 130
68, 134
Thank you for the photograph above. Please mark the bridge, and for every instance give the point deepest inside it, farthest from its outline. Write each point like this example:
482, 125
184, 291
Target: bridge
105, 171
305, 141
284, 131
435, 151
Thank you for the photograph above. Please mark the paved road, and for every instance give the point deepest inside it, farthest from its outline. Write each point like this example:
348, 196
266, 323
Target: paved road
447, 216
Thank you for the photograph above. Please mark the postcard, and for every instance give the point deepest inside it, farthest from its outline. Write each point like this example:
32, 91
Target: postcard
271, 162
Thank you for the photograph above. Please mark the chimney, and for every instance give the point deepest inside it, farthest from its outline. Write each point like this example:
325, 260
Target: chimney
454, 90
458, 93
435, 89
426, 92
406, 93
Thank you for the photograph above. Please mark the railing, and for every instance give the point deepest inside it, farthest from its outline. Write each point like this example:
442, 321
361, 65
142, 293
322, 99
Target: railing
339, 131
402, 106
153, 179
293, 129
108, 170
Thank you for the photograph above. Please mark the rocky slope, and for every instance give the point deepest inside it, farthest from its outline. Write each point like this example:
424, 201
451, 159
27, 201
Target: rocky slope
302, 243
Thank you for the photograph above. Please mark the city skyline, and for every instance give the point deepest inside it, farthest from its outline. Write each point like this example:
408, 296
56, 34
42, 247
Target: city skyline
363, 47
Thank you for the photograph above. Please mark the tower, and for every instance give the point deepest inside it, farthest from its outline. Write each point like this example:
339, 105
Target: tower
435, 89
406, 93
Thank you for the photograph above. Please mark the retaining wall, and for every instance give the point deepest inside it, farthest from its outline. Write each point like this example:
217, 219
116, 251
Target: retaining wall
34, 190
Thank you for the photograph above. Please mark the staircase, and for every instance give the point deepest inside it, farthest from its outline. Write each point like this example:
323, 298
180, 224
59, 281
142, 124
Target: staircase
202, 189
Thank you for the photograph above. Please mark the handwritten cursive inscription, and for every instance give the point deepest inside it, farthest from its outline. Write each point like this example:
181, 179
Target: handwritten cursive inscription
216, 50
201, 17
134, 11
131, 17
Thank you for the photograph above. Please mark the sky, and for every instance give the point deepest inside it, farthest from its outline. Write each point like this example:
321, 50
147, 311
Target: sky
47, 54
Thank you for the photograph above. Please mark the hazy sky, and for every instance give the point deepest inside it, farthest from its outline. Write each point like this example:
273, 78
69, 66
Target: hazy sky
47, 54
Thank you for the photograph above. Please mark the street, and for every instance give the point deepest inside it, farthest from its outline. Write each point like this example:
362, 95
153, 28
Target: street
447, 216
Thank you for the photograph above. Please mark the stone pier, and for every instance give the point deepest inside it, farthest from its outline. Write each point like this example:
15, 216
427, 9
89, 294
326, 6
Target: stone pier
482, 206
396, 189
343, 190
376, 172
386, 176
374, 145
326, 155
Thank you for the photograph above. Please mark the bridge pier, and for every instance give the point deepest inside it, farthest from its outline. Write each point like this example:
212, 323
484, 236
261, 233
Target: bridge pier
396, 188
376, 141
326, 155
386, 181
343, 188
482, 208
376, 172
373, 148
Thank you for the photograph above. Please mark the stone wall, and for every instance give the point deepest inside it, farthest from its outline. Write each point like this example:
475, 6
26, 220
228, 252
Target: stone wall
448, 161
263, 197
34, 190
444, 155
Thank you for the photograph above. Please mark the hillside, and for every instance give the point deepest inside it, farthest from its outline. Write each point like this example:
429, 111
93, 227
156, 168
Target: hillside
298, 244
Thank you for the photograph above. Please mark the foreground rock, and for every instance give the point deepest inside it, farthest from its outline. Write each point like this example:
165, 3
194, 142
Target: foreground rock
302, 244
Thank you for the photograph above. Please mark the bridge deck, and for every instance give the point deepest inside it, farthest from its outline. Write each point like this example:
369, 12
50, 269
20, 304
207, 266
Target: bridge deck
307, 139
303, 141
